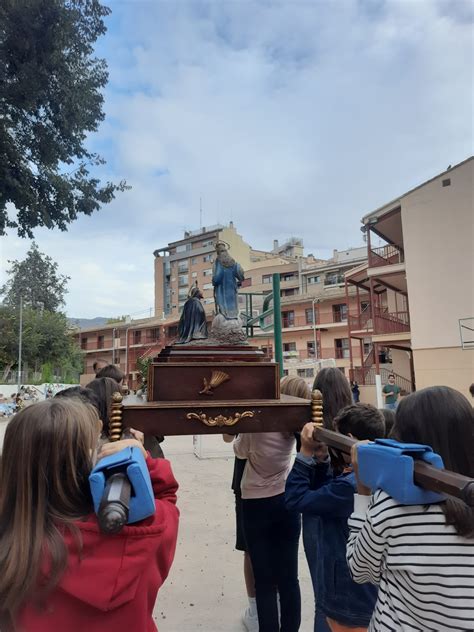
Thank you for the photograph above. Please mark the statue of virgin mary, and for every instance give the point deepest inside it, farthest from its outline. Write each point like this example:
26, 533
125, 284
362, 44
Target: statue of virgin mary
227, 275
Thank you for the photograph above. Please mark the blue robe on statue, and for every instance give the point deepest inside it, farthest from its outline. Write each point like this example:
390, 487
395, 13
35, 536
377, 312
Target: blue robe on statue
226, 281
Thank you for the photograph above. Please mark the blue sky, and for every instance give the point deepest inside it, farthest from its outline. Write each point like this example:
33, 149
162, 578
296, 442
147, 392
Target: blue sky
291, 118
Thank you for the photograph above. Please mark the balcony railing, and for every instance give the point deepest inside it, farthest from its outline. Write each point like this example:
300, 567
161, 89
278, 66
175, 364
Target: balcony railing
362, 320
385, 256
325, 318
366, 377
390, 322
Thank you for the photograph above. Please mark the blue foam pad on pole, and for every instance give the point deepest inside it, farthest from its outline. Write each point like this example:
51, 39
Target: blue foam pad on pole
389, 465
131, 462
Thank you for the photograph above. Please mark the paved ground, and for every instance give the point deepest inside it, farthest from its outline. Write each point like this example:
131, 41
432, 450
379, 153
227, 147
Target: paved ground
205, 589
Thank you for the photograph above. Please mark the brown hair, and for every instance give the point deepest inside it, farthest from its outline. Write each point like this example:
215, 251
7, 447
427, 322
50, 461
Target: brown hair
442, 418
336, 393
295, 386
47, 457
362, 421
104, 388
111, 371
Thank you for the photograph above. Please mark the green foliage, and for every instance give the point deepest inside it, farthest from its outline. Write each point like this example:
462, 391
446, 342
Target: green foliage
142, 368
118, 319
50, 100
36, 280
47, 343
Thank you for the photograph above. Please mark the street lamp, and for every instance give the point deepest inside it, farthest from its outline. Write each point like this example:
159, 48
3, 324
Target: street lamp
20, 343
315, 300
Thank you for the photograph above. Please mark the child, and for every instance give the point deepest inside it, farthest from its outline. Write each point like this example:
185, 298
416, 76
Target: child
57, 570
312, 489
271, 531
421, 556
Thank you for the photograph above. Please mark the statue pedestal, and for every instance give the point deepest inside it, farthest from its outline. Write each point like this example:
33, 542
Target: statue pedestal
210, 389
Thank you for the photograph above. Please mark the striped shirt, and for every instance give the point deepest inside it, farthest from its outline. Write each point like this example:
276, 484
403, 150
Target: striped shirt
424, 569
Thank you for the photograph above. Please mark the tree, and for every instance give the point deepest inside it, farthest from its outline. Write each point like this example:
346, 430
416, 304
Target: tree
37, 281
47, 343
50, 99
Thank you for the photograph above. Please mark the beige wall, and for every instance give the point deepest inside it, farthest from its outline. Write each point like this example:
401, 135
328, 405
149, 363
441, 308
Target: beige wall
401, 363
438, 234
448, 367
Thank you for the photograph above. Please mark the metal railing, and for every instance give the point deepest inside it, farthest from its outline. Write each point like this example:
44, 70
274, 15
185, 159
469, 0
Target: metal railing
390, 322
366, 377
386, 255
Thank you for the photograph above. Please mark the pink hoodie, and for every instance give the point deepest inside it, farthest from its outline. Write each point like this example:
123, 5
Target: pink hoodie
268, 462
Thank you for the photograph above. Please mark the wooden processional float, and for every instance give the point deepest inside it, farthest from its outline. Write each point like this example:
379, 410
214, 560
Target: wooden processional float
198, 389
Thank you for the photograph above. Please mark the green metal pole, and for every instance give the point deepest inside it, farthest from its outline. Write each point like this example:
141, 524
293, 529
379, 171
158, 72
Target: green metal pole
277, 322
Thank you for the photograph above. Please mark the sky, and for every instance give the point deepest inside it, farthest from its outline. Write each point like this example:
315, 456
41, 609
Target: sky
290, 118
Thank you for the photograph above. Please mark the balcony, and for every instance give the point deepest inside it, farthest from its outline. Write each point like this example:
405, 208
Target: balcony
390, 322
385, 256
336, 279
361, 321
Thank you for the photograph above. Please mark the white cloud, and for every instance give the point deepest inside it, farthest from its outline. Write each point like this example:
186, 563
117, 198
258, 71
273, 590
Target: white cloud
288, 117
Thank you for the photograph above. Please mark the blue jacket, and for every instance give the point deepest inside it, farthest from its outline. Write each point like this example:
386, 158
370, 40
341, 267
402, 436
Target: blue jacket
312, 489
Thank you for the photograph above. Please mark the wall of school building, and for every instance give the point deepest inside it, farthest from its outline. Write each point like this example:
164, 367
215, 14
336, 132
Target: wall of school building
438, 229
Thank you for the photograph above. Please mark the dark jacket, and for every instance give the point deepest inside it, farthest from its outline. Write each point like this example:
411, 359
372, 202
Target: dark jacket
312, 489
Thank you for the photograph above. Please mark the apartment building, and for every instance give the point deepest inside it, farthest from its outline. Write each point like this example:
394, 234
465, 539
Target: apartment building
182, 263
121, 343
419, 275
315, 305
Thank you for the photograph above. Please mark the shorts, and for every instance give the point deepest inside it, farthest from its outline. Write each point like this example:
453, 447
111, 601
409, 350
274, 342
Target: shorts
240, 541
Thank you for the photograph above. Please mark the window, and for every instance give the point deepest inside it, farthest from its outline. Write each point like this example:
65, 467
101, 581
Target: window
194, 261
154, 334
100, 342
305, 372
268, 351
314, 279
183, 248
207, 258
194, 274
207, 272
83, 343
309, 315
183, 279
285, 372
209, 242
172, 330
182, 295
183, 266
207, 286
290, 292
267, 278
310, 348
342, 348
137, 337
339, 313
289, 349
334, 279
364, 305
286, 276
288, 319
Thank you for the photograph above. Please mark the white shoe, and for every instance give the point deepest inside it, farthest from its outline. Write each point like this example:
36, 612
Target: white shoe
250, 621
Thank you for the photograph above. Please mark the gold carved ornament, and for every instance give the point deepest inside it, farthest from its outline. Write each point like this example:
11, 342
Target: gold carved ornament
115, 417
220, 420
217, 378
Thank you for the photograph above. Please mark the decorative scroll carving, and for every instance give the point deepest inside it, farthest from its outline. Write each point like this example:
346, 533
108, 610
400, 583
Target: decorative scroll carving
317, 407
115, 417
217, 378
220, 420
